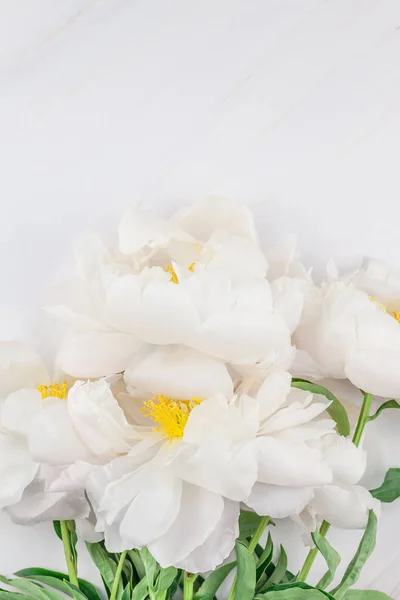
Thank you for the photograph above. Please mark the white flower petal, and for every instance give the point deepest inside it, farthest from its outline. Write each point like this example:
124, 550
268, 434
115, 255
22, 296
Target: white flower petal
52, 438
288, 300
218, 545
20, 367
286, 464
200, 511
157, 311
201, 220
273, 393
345, 507
95, 354
153, 509
178, 372
235, 255
347, 462
278, 501
375, 371
17, 469
19, 409
140, 228
98, 419
242, 336
38, 505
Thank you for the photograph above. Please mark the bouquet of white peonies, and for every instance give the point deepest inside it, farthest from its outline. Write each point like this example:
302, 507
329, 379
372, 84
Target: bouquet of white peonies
190, 408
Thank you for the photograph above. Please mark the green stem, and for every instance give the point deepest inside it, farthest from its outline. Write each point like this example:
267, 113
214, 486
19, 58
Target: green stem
118, 574
362, 419
361, 423
308, 563
188, 585
252, 546
73, 577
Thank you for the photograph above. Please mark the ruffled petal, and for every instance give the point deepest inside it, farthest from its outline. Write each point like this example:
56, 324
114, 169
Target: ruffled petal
294, 465
347, 462
218, 545
345, 507
153, 509
199, 513
38, 505
98, 419
277, 501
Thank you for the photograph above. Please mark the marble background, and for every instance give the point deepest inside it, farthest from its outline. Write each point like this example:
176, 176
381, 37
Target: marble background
291, 106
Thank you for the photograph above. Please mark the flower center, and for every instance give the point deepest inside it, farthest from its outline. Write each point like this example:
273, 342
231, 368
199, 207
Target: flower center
170, 414
393, 313
56, 390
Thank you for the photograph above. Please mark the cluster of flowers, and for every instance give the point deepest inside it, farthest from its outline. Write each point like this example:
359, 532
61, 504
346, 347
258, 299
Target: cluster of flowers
182, 390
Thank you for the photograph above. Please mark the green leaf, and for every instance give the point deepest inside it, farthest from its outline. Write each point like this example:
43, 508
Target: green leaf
141, 591
384, 406
248, 523
335, 410
246, 573
150, 566
58, 581
165, 579
280, 569
294, 591
137, 562
265, 558
104, 563
32, 589
126, 593
4, 595
364, 551
76, 593
57, 529
390, 488
331, 557
211, 585
365, 595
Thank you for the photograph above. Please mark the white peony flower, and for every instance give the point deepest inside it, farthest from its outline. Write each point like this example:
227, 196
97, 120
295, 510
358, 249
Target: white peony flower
197, 279
348, 333
178, 492
44, 428
289, 466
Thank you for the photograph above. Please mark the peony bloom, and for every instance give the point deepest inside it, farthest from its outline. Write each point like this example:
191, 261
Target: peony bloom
290, 467
195, 280
347, 332
44, 430
178, 491
343, 503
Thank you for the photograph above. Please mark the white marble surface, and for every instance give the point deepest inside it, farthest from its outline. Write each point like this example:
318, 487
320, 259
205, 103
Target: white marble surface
292, 106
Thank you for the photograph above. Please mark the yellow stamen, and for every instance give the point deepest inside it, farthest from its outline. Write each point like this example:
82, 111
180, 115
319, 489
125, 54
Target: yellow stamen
55, 390
174, 277
191, 267
170, 414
